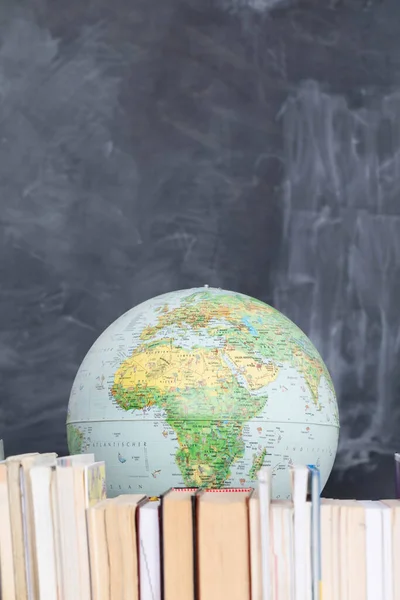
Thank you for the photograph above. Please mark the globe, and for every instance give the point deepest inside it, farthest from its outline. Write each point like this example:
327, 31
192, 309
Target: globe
200, 388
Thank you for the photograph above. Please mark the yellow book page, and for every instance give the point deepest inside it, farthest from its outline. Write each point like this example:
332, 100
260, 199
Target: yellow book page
96, 489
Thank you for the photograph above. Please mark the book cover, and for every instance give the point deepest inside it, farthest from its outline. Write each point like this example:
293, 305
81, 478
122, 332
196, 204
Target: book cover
46, 551
121, 541
162, 497
223, 545
148, 538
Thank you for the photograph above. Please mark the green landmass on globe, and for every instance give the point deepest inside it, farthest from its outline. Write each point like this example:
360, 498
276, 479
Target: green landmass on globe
74, 439
205, 361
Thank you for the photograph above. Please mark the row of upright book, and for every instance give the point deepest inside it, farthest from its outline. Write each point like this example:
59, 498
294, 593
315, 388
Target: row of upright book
61, 538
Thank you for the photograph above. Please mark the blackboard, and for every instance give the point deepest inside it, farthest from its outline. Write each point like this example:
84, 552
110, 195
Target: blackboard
156, 145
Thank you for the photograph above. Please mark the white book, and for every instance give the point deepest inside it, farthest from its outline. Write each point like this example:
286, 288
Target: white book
388, 579
308, 553
374, 550
18, 533
394, 506
344, 551
288, 536
27, 464
281, 535
149, 551
301, 533
56, 528
6, 549
69, 525
88, 488
275, 536
336, 552
1, 450
46, 562
68, 533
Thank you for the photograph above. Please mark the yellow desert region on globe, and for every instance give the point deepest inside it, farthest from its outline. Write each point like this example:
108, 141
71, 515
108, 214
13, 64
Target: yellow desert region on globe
201, 387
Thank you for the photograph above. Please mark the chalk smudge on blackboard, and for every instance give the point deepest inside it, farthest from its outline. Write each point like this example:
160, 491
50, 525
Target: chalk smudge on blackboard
339, 278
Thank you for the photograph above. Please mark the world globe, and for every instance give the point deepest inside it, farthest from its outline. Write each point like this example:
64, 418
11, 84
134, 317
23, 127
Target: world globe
200, 388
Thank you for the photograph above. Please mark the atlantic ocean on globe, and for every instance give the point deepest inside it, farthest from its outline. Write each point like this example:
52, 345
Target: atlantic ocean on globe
201, 387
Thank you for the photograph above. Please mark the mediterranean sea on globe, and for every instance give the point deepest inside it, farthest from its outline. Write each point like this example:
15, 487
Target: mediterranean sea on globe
201, 387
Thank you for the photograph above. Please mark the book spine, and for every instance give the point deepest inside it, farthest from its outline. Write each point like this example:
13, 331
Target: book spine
316, 532
161, 522
194, 500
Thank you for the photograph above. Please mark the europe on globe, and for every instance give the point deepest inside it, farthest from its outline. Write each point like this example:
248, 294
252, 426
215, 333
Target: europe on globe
201, 387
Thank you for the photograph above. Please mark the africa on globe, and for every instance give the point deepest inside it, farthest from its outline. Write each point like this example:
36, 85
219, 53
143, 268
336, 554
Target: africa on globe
201, 387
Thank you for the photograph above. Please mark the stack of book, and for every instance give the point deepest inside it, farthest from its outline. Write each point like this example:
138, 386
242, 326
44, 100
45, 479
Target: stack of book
61, 538
43, 532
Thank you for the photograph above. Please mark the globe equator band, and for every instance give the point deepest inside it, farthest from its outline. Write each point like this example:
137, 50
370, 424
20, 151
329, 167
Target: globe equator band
205, 420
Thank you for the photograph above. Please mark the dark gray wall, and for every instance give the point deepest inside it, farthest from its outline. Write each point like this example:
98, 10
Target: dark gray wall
151, 145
